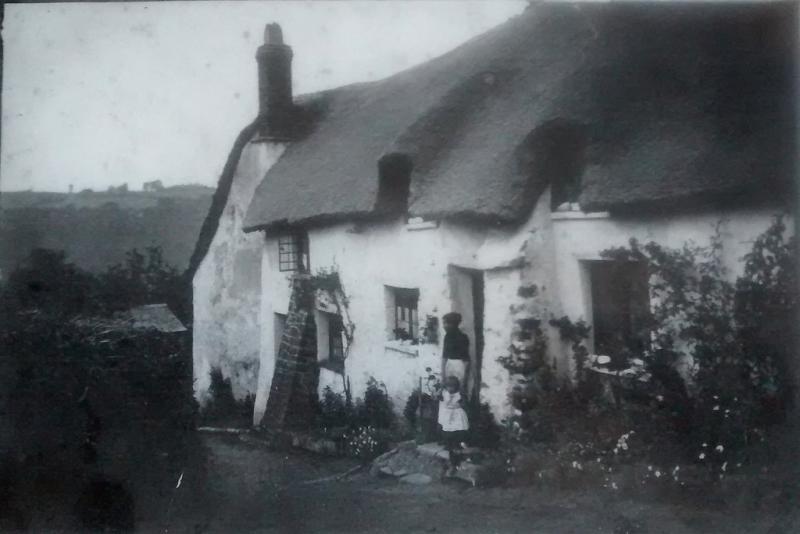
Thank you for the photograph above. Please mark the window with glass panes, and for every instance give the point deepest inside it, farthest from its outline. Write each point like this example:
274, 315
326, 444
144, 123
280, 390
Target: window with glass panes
406, 321
293, 252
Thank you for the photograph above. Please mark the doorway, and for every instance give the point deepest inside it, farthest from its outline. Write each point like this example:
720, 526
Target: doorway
468, 299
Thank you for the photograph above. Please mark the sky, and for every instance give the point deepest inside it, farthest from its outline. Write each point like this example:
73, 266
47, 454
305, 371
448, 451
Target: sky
103, 94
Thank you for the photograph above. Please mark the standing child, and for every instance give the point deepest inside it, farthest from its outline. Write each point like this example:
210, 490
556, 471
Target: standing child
453, 419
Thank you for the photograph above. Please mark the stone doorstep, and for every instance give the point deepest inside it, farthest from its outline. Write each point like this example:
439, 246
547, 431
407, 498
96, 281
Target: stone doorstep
429, 461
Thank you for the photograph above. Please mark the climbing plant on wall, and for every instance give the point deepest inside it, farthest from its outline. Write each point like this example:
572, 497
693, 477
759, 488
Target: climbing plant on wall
328, 283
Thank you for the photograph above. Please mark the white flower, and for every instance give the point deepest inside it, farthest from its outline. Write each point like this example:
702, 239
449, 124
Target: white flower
716, 408
702, 455
660, 398
705, 445
719, 448
724, 465
658, 474
649, 467
614, 485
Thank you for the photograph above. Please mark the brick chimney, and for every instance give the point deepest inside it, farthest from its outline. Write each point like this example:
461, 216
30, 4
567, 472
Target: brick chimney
275, 104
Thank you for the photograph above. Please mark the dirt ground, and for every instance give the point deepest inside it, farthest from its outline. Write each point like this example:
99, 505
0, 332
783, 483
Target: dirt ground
248, 488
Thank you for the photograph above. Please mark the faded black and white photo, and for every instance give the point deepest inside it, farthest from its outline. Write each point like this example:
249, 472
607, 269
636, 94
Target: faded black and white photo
400, 266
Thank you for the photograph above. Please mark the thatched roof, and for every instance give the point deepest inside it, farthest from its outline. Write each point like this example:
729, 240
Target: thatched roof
676, 101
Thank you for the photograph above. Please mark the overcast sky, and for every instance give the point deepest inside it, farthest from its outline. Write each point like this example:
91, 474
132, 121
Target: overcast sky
100, 94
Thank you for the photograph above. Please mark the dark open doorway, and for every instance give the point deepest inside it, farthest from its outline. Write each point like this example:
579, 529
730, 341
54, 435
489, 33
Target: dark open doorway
478, 311
468, 299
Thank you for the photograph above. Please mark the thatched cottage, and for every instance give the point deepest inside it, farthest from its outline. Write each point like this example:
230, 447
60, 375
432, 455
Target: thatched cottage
486, 181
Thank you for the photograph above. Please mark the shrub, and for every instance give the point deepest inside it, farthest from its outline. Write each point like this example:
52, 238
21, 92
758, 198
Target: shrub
375, 409
738, 335
222, 407
427, 428
483, 429
334, 411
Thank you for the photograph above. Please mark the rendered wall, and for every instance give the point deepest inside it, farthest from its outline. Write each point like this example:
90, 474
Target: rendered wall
535, 271
412, 256
227, 286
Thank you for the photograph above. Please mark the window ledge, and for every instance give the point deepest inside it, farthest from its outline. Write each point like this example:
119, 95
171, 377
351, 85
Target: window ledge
418, 223
403, 347
569, 215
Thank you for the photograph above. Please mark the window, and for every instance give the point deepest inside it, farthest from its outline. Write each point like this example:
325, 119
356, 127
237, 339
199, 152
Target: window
554, 153
394, 181
335, 342
293, 252
620, 306
330, 341
402, 308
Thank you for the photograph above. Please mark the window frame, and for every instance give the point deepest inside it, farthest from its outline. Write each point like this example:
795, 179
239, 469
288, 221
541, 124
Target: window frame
296, 258
632, 338
404, 310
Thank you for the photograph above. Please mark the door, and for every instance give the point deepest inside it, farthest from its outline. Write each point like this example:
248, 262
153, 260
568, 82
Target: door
467, 298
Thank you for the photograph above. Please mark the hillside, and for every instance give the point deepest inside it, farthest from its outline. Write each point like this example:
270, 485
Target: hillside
96, 229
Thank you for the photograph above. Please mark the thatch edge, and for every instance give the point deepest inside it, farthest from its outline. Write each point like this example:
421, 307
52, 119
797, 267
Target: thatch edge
219, 200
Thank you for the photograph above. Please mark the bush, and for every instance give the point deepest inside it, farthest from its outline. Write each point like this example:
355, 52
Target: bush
334, 411
74, 393
79, 386
375, 409
483, 429
222, 407
427, 428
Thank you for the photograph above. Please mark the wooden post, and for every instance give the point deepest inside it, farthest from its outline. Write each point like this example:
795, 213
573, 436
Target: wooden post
419, 407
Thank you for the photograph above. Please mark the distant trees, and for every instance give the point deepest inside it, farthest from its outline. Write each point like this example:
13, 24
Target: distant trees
48, 283
118, 189
154, 186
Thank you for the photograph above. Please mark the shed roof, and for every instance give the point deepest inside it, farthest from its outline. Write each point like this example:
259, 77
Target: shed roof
676, 101
156, 317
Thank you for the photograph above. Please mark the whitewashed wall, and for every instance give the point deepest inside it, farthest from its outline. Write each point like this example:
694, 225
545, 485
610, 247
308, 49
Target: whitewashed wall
227, 285
374, 256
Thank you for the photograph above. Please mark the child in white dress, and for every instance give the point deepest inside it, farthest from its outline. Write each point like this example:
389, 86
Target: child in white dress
453, 419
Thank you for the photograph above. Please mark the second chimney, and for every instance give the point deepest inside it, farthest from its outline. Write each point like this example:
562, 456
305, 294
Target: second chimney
275, 85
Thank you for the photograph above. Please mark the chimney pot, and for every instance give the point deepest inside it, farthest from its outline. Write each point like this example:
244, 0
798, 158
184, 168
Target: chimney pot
273, 34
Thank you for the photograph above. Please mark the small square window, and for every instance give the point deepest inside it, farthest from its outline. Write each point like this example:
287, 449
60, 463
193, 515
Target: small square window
293, 252
403, 317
